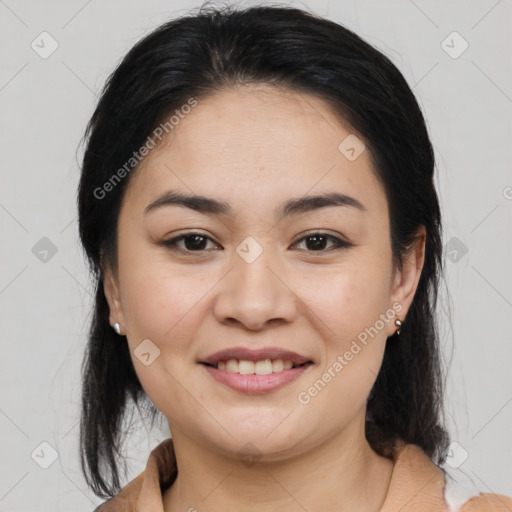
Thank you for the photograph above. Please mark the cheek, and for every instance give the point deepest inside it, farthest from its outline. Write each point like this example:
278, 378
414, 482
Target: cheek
348, 300
167, 310
350, 304
159, 298
351, 307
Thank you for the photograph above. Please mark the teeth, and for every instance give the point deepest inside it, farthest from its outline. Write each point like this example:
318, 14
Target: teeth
264, 367
232, 366
277, 365
245, 367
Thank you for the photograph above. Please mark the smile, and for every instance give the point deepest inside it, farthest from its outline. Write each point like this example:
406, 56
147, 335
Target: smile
256, 377
262, 367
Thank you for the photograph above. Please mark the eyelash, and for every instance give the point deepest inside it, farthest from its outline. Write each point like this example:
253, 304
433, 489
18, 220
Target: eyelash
338, 243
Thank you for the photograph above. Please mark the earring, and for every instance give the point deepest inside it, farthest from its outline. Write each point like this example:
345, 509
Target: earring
398, 323
117, 328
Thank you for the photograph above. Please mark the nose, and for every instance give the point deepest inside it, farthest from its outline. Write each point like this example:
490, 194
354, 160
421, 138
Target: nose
255, 294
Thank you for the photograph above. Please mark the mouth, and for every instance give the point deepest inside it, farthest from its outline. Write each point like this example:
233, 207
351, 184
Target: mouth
255, 371
261, 367
263, 361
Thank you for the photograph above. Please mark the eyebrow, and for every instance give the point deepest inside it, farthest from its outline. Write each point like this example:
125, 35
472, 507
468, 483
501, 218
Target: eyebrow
291, 207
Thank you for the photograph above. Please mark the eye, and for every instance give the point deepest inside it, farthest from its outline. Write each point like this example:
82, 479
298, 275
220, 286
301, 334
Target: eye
197, 242
193, 242
316, 242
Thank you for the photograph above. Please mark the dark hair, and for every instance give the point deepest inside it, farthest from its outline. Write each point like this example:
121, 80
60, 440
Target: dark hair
195, 56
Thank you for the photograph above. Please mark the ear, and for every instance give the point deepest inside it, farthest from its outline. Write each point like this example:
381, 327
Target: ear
407, 278
111, 289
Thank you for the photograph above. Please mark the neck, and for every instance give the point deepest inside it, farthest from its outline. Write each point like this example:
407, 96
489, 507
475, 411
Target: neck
343, 473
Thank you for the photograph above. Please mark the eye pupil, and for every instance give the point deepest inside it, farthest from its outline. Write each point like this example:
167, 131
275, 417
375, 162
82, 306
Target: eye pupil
319, 242
198, 242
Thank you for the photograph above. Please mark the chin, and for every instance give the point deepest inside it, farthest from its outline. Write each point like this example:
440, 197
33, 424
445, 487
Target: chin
267, 441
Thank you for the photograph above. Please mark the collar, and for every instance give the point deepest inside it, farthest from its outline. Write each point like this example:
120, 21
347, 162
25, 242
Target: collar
416, 485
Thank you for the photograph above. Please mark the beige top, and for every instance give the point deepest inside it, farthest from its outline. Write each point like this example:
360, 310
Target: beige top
417, 485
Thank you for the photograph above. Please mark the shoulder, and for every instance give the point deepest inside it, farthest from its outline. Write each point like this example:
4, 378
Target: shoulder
418, 484
462, 495
125, 499
146, 488
488, 503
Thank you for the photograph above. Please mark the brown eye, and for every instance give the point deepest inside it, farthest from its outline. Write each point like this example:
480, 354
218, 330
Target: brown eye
192, 242
317, 242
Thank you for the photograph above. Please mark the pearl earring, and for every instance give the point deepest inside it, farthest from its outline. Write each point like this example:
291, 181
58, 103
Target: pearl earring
117, 328
398, 323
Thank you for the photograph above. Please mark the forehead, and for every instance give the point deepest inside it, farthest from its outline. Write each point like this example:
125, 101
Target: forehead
251, 145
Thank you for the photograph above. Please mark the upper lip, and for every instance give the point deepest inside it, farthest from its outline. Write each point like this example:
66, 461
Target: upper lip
246, 354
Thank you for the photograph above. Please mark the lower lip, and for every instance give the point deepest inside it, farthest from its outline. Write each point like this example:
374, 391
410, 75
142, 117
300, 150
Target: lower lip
256, 384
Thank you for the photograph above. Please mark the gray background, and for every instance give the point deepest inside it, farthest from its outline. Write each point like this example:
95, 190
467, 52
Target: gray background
45, 297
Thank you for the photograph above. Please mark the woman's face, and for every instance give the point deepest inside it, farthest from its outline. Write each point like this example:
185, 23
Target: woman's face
269, 275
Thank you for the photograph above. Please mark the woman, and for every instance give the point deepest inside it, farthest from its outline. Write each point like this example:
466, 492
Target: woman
258, 208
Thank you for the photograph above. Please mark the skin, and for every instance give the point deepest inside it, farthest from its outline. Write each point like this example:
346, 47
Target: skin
254, 148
